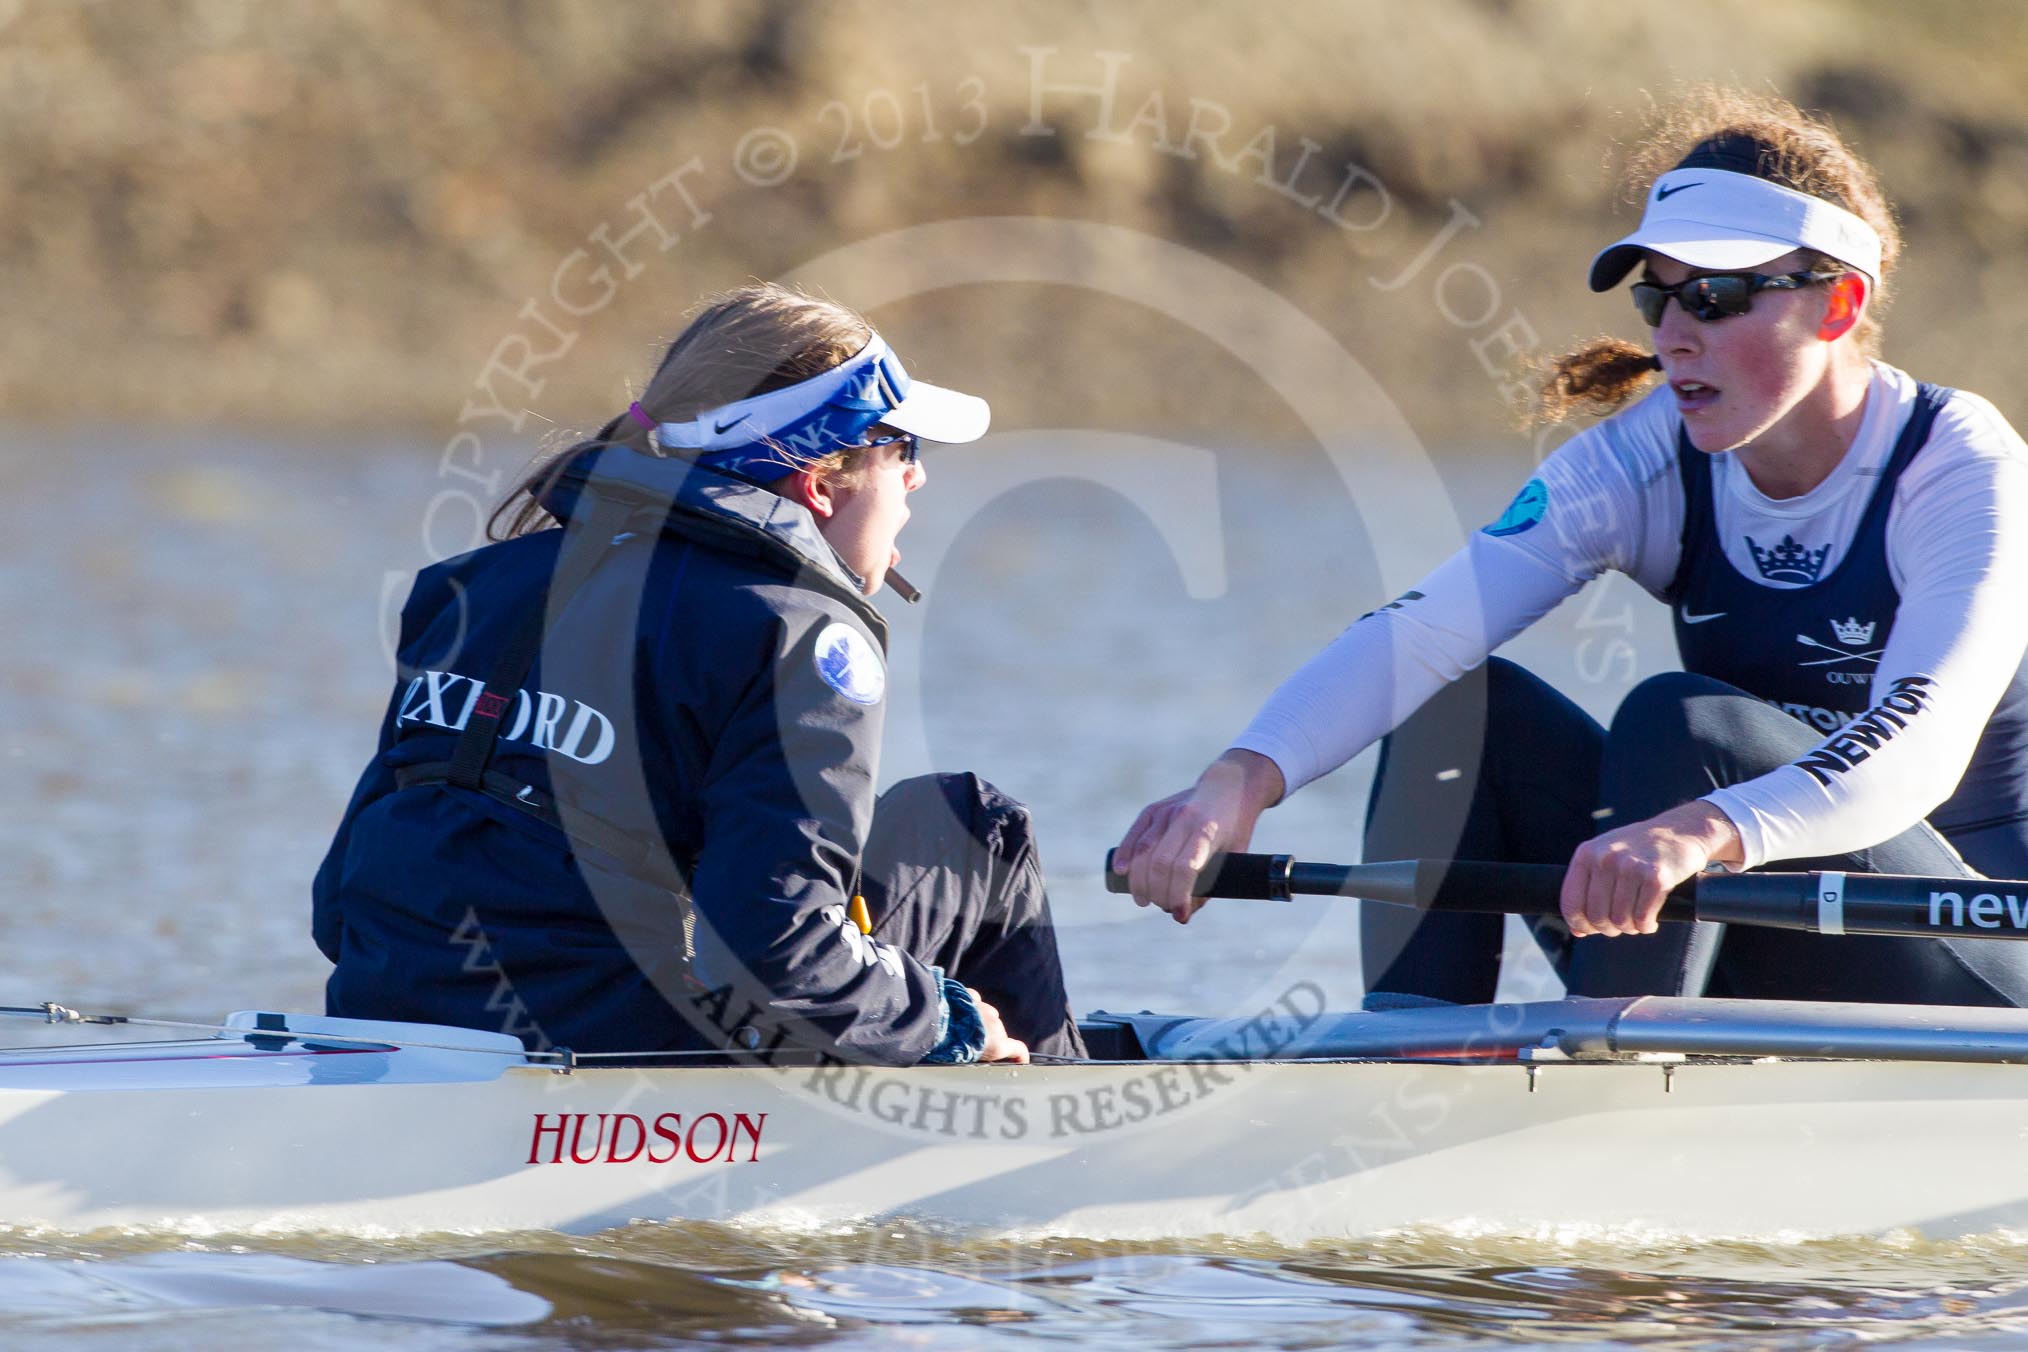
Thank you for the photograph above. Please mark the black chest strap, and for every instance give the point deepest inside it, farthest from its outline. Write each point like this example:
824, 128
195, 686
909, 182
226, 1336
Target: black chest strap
585, 542
587, 539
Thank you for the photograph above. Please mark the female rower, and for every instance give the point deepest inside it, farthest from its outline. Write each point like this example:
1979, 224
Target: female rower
1843, 547
624, 793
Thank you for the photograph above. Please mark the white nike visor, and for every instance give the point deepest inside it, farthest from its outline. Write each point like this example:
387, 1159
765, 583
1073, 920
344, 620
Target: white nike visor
1723, 221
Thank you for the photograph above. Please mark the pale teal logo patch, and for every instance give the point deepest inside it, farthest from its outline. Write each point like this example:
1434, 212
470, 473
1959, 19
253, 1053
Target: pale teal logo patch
1527, 508
849, 664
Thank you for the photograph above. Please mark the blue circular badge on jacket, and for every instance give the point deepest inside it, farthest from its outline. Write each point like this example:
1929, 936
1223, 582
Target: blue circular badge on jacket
1524, 511
849, 664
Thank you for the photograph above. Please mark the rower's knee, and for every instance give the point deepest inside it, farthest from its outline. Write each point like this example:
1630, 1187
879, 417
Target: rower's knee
966, 806
1475, 698
1683, 709
1677, 735
1659, 708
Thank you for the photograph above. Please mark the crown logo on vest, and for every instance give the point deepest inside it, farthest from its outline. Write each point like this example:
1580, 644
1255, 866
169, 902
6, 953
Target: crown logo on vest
1788, 561
1853, 634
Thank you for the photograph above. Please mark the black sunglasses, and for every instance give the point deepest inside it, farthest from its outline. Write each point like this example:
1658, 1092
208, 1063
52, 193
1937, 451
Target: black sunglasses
910, 445
1718, 294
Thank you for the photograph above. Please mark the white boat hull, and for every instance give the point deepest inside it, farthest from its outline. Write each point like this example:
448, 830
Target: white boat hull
185, 1137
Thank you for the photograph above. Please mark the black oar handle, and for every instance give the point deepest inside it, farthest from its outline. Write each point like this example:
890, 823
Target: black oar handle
1432, 884
1429, 884
1242, 877
1819, 903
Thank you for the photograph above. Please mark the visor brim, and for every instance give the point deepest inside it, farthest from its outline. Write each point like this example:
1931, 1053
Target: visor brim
1691, 245
937, 414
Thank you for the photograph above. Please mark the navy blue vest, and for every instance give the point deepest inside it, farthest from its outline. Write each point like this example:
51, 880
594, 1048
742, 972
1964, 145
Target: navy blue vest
1813, 650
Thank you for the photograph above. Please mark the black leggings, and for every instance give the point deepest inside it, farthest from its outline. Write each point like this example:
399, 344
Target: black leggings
951, 875
1499, 766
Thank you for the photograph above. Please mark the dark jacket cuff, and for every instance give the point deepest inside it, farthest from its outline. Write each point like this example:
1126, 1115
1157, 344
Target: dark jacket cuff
961, 1033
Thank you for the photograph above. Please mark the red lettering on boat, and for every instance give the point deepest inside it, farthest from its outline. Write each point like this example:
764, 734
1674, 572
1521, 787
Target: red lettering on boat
723, 1134
535, 1144
624, 1138
577, 1138
613, 1155
674, 1138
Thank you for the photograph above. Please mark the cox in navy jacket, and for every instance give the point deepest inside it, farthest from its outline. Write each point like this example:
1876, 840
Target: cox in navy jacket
710, 699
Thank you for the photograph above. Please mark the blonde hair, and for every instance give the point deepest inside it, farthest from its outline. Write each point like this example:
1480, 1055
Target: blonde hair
748, 341
1793, 149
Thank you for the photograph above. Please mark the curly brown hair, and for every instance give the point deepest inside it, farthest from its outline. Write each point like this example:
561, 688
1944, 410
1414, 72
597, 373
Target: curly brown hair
1794, 149
748, 341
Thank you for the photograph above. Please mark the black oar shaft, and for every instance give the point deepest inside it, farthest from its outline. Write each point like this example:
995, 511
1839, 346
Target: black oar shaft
1869, 903
1454, 885
1819, 903
1428, 884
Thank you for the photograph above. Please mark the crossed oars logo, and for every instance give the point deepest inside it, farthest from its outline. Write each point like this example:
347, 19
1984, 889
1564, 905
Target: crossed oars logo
1847, 631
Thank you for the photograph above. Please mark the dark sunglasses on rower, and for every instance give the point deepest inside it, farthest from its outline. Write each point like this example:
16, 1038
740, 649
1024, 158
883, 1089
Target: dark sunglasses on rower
1717, 295
910, 444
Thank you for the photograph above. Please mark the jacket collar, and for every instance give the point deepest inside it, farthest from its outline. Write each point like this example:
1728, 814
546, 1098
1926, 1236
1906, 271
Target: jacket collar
698, 502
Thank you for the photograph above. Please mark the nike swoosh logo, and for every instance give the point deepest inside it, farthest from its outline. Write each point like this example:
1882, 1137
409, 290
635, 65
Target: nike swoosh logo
720, 429
1688, 618
1664, 194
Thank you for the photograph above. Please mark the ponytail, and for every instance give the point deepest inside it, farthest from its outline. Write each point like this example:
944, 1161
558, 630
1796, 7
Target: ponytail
1598, 378
526, 509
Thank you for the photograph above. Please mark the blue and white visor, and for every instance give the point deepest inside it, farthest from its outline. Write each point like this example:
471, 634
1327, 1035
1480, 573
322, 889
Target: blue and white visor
1731, 222
770, 434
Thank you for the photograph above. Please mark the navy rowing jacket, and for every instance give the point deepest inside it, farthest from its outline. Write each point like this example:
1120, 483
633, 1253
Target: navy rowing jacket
704, 717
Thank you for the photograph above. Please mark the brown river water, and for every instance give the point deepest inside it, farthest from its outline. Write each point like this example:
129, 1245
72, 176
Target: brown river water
192, 671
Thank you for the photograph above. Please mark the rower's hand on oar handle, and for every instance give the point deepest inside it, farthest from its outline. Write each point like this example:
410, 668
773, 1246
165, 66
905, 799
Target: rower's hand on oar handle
1250, 877
999, 1046
1617, 882
1175, 839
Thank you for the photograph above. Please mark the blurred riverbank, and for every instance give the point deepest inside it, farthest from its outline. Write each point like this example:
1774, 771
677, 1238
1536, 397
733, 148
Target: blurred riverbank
376, 213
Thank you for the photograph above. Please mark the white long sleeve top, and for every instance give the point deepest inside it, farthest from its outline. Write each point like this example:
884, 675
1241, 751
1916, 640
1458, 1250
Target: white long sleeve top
1612, 498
